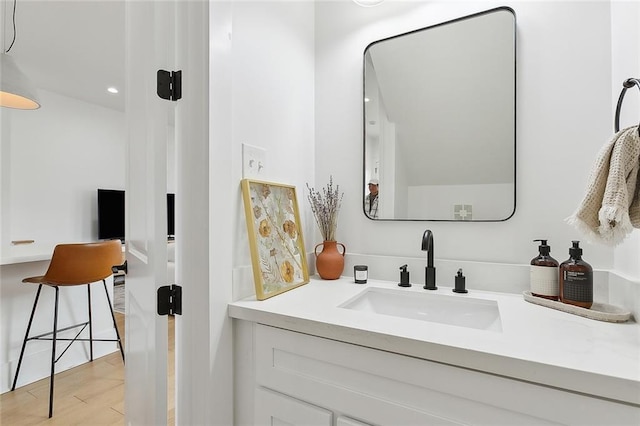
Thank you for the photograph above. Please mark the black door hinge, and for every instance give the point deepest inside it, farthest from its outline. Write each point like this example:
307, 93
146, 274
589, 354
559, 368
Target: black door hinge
170, 85
170, 300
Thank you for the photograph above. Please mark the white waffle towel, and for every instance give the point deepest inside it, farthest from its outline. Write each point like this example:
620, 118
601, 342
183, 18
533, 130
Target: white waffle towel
611, 205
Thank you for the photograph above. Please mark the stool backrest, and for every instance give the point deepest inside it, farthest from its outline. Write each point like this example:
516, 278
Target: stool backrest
74, 264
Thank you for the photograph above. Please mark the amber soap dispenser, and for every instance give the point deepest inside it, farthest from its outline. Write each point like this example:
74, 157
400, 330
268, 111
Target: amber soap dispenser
544, 273
576, 279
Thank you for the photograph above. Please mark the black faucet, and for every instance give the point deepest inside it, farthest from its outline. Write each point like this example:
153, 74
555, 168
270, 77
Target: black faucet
430, 270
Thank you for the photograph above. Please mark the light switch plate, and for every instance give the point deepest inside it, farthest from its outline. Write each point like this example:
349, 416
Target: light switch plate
253, 161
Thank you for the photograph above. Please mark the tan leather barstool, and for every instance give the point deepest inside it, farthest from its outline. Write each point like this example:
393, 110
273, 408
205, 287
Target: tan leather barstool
72, 265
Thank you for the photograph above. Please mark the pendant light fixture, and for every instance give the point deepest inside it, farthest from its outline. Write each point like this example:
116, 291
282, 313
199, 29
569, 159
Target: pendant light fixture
16, 91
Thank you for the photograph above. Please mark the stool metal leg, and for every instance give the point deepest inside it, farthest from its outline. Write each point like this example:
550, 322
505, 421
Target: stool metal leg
54, 335
53, 354
26, 337
113, 317
90, 322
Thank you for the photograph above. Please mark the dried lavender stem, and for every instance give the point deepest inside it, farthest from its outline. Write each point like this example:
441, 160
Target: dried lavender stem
325, 206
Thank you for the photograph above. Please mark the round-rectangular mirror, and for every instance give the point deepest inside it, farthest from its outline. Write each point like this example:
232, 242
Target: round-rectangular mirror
439, 121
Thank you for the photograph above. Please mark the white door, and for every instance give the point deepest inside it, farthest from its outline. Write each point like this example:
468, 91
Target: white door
149, 40
153, 29
198, 386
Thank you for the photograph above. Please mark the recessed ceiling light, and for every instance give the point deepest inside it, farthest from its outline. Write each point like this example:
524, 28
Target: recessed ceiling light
367, 99
112, 90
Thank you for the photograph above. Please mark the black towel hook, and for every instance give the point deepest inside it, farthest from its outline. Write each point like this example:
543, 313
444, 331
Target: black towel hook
628, 83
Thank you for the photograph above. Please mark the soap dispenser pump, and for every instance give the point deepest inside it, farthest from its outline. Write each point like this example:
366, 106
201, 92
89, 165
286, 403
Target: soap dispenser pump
404, 277
576, 279
544, 273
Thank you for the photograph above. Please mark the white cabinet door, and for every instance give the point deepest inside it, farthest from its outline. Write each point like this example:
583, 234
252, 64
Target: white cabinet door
276, 409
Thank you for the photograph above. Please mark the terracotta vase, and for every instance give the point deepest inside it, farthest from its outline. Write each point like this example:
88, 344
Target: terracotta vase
330, 262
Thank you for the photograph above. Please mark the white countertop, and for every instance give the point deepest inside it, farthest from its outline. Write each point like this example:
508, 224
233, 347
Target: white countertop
536, 344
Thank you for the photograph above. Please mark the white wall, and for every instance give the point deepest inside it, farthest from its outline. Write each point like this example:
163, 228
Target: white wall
52, 162
55, 158
171, 166
564, 116
273, 108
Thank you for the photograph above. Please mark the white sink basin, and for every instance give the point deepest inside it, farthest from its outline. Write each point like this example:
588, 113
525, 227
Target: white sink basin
458, 310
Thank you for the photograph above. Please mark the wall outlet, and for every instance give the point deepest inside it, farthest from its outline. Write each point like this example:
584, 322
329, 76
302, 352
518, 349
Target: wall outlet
253, 161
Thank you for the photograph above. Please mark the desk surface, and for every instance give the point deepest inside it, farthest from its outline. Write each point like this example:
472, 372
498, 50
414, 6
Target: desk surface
24, 253
24, 259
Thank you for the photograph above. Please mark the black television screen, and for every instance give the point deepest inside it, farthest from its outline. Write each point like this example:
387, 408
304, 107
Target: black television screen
171, 203
110, 214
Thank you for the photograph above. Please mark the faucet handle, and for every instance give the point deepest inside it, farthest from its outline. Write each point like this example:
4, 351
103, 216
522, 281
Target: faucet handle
404, 277
459, 283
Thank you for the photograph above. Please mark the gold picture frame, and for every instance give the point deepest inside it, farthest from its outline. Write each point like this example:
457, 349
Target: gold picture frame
278, 256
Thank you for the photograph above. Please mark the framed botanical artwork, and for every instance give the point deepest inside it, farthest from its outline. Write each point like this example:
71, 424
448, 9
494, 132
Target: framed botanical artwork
275, 237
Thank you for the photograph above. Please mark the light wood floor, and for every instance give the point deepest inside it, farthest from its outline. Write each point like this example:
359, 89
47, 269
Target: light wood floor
90, 394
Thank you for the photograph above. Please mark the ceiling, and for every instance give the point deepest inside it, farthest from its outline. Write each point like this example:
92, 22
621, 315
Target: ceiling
74, 48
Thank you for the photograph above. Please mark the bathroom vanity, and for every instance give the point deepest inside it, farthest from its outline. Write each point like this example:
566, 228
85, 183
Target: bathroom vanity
326, 354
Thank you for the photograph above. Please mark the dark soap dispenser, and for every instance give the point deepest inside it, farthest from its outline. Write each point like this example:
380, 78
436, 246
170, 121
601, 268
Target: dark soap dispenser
576, 279
544, 273
404, 277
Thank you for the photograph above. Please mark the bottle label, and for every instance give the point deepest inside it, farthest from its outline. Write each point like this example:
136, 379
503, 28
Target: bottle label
361, 275
544, 280
578, 286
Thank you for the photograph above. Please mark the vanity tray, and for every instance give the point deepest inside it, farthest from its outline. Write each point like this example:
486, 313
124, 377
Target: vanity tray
598, 311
